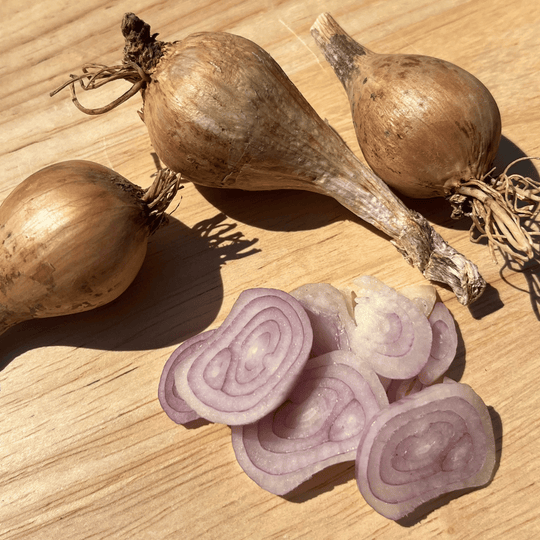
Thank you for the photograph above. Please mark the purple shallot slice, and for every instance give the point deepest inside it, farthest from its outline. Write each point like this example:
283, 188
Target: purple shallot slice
251, 362
432, 442
173, 405
320, 423
330, 318
391, 331
444, 345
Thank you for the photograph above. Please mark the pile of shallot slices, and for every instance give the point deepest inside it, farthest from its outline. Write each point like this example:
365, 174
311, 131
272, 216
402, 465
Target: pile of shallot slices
322, 376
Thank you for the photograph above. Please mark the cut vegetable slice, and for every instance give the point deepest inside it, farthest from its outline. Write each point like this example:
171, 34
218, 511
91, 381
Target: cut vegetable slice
391, 332
251, 362
329, 315
444, 345
173, 405
398, 389
320, 423
432, 442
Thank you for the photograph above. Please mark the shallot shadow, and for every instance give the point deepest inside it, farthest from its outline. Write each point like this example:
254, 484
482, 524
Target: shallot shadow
177, 294
322, 482
277, 210
285, 210
424, 510
531, 273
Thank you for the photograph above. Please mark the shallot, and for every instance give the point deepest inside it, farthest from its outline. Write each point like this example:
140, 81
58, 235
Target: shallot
435, 441
73, 236
391, 332
332, 323
428, 128
292, 416
221, 111
246, 368
320, 424
444, 344
175, 407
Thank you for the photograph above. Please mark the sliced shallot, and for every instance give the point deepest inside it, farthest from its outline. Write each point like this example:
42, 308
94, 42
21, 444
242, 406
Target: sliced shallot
444, 345
391, 331
329, 316
433, 442
424, 296
320, 424
175, 407
251, 362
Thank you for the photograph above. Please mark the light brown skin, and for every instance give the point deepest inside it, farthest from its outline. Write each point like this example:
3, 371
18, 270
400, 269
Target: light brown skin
222, 112
73, 236
424, 125
430, 129
250, 128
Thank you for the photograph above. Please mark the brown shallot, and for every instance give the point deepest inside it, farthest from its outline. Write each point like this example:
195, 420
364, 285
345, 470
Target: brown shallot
428, 128
73, 236
222, 112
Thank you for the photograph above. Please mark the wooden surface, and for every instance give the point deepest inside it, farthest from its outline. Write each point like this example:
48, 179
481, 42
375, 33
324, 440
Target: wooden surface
85, 450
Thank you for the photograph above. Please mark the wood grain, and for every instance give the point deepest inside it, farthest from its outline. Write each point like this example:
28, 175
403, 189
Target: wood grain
85, 450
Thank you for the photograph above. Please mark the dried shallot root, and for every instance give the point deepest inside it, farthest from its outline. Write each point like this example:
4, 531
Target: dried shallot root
221, 111
411, 439
431, 129
73, 236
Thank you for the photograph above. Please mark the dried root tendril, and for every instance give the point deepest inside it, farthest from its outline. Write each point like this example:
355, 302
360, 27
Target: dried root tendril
159, 195
96, 75
502, 210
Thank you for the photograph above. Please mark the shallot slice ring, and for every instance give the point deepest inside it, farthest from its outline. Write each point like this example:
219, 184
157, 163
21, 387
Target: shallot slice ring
173, 405
430, 443
248, 366
319, 425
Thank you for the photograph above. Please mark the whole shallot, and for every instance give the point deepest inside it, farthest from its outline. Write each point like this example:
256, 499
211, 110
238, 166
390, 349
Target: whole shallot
73, 236
431, 129
221, 111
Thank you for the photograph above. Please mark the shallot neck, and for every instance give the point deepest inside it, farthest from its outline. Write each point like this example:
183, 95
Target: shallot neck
141, 47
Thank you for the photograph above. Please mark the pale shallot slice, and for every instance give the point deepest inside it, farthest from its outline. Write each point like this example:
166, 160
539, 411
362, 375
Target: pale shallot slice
444, 345
433, 442
173, 405
391, 333
251, 362
320, 424
329, 315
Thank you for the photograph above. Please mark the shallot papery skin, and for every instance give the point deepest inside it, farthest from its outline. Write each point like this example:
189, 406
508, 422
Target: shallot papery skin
444, 345
429, 128
329, 316
173, 405
73, 237
435, 441
320, 424
251, 362
391, 333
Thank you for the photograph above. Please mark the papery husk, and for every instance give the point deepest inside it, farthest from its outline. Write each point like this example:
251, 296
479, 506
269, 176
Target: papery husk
73, 236
428, 128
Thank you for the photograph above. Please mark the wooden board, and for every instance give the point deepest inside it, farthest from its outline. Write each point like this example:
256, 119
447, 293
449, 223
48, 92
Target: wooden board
85, 449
